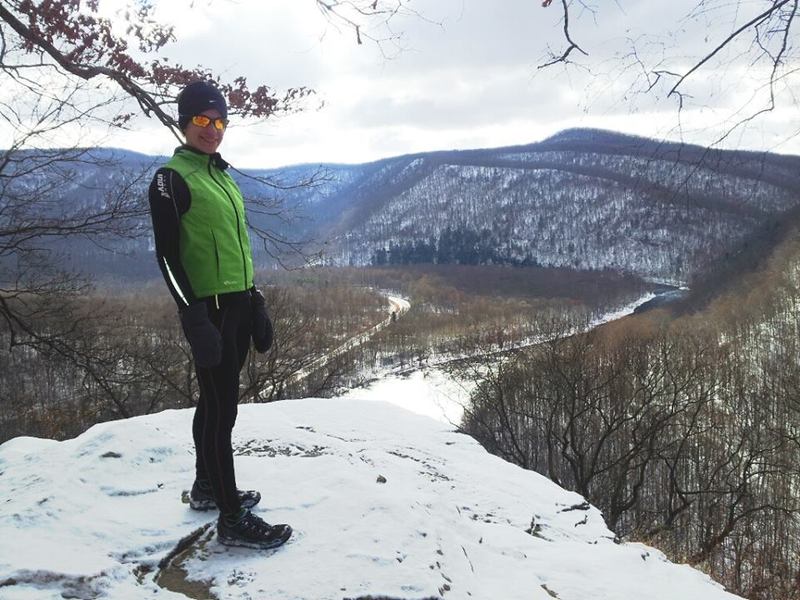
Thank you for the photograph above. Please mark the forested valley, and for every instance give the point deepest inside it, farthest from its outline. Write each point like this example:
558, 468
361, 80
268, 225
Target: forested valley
115, 352
680, 424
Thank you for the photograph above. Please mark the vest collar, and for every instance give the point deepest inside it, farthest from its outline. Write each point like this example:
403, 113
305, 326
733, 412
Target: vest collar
216, 158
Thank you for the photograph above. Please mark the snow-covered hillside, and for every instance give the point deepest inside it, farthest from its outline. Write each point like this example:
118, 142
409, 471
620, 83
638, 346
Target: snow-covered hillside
385, 504
583, 199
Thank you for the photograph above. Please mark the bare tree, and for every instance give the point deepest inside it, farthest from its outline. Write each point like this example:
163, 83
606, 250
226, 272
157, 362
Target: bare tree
71, 78
370, 20
64, 69
677, 432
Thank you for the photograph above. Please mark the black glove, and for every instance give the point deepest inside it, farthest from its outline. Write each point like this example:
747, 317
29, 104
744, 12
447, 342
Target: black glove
204, 338
262, 325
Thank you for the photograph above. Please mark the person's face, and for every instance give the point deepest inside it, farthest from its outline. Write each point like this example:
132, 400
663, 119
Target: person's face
205, 139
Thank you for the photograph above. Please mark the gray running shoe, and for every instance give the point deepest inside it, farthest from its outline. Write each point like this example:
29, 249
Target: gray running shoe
251, 531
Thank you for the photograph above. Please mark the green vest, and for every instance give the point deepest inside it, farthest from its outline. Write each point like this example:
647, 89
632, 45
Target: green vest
214, 245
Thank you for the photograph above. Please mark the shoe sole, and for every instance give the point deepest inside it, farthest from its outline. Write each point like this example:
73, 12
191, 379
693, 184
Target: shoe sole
226, 541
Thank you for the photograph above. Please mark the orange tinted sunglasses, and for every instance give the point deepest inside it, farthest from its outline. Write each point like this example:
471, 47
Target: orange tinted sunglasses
204, 121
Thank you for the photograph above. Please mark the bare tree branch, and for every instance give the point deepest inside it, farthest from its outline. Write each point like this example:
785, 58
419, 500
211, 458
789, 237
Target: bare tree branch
571, 45
755, 22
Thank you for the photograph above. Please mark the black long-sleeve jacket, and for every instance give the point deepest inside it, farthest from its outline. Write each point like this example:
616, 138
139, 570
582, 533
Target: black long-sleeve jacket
169, 199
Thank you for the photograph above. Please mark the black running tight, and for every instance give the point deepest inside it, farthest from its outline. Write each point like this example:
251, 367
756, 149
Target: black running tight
219, 398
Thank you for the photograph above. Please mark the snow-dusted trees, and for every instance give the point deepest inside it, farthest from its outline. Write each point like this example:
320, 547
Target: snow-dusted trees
684, 432
133, 358
583, 199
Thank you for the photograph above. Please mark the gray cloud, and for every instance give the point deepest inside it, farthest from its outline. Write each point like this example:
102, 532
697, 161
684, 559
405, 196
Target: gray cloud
473, 80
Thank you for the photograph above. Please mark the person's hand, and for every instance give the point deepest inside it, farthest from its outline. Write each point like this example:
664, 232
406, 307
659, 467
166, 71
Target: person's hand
204, 338
262, 324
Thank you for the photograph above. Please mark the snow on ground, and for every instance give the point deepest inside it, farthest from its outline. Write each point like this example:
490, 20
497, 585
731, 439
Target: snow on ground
427, 391
384, 502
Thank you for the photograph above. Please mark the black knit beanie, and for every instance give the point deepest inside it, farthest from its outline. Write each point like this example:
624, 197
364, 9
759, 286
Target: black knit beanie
196, 98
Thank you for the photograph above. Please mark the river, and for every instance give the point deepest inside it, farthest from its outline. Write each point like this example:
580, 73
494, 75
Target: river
432, 392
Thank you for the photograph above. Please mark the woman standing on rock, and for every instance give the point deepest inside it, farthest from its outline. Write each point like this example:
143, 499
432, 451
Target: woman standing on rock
203, 251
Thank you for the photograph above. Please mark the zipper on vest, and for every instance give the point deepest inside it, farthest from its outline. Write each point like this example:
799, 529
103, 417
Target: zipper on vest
238, 221
216, 254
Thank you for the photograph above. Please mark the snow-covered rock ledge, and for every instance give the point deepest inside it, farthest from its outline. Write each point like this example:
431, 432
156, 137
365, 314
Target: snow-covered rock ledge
385, 504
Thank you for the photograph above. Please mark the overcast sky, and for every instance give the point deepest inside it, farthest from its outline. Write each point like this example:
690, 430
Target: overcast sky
466, 76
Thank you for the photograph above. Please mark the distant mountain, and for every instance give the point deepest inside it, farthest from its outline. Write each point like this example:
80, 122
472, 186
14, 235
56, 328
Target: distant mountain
584, 198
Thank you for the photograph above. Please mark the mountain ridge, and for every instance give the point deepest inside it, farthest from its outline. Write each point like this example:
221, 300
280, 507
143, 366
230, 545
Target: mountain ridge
582, 199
